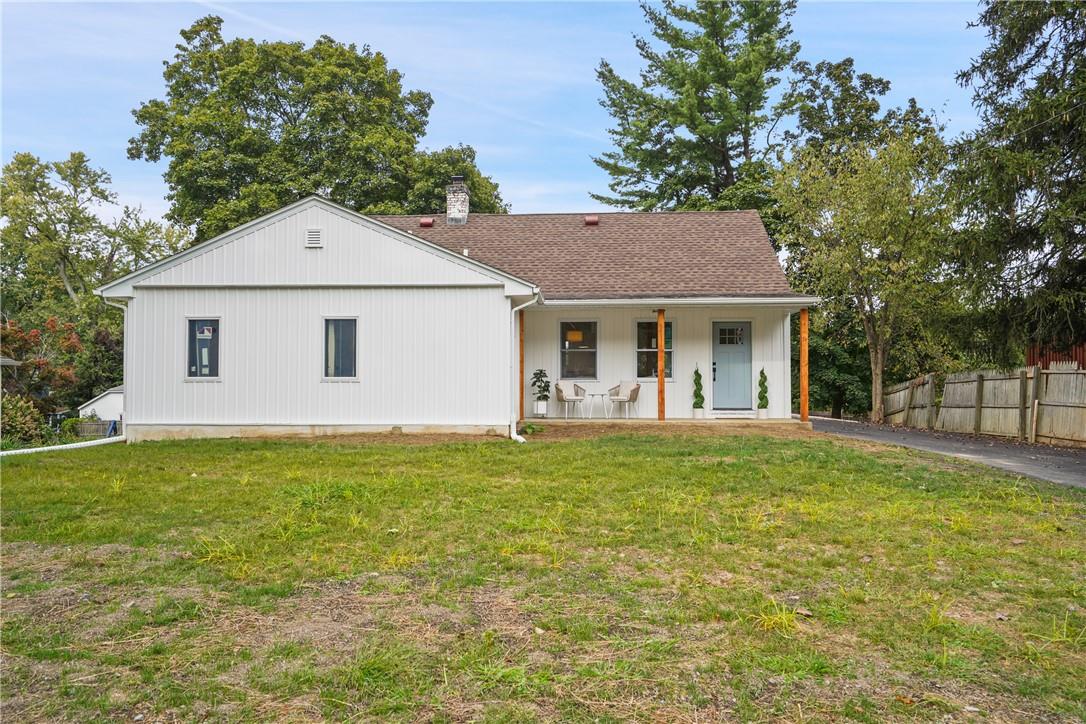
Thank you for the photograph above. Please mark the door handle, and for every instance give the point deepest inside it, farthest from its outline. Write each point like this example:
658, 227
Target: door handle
714, 370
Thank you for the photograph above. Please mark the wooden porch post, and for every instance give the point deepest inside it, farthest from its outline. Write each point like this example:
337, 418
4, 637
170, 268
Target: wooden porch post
661, 348
520, 344
803, 366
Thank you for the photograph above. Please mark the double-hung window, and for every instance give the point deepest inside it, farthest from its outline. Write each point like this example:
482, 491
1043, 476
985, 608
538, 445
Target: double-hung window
203, 347
578, 350
340, 351
647, 346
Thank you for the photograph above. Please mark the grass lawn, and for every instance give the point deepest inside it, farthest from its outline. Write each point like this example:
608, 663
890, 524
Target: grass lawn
627, 576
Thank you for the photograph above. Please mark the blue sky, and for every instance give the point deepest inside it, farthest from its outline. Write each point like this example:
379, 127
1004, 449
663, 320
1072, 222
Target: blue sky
516, 81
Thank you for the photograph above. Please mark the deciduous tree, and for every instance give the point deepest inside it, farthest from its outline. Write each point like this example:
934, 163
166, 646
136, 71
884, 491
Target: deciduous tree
248, 127
869, 224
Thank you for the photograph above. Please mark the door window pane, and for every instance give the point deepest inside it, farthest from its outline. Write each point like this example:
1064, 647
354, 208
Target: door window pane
646, 349
339, 348
578, 350
203, 348
731, 335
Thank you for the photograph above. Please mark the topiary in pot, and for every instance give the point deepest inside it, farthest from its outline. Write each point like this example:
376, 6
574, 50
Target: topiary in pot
699, 395
763, 395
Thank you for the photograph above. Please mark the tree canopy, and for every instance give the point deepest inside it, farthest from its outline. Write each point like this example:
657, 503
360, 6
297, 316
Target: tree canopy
249, 127
59, 244
687, 134
868, 230
1022, 175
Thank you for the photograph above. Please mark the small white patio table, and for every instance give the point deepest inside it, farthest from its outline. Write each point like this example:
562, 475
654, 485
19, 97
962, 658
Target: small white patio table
603, 403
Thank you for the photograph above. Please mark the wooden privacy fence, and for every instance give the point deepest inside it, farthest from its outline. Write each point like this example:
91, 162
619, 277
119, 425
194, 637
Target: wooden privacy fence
98, 428
911, 403
1059, 413
1029, 403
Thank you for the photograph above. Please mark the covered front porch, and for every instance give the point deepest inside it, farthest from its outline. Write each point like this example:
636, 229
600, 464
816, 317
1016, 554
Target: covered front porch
598, 345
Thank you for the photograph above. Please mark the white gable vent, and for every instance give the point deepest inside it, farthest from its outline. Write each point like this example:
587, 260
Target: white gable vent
314, 238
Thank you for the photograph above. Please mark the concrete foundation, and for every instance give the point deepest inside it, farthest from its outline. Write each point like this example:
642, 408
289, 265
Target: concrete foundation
142, 432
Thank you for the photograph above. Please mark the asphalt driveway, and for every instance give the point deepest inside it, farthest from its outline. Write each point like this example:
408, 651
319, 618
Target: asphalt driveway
1057, 464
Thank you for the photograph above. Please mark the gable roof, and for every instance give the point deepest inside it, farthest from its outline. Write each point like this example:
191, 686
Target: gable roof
628, 255
122, 287
111, 390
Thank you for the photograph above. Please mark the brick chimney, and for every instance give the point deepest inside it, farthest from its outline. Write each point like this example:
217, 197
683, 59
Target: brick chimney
456, 202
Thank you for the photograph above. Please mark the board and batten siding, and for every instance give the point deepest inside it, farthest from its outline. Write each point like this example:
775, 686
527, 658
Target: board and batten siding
434, 356
353, 253
692, 345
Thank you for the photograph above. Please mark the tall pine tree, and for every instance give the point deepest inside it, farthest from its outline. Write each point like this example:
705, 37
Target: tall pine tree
689, 134
1023, 175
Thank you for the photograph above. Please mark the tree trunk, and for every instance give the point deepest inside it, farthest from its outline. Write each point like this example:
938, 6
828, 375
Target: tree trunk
876, 350
876, 395
838, 406
61, 267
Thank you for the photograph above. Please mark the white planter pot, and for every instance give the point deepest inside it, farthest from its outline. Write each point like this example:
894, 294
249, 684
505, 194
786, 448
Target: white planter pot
540, 408
699, 413
763, 414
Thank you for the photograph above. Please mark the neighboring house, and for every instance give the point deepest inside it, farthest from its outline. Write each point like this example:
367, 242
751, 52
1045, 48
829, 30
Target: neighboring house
316, 319
107, 406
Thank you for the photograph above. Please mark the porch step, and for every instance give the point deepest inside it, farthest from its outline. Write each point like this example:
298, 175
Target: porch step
733, 414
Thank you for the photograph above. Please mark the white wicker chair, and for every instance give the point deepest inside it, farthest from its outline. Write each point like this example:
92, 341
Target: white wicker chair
567, 397
625, 394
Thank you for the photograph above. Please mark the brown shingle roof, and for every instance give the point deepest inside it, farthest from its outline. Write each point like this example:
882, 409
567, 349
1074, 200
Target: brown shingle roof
627, 255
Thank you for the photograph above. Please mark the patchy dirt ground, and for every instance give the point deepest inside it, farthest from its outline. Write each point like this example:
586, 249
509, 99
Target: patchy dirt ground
718, 573
270, 661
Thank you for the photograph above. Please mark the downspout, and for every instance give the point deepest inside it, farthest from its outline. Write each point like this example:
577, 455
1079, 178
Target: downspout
124, 363
513, 435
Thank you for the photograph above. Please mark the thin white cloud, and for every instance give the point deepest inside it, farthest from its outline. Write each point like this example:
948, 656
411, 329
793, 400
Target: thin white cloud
254, 20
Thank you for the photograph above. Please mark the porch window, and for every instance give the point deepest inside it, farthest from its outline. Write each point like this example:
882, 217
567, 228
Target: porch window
647, 347
203, 346
578, 350
340, 355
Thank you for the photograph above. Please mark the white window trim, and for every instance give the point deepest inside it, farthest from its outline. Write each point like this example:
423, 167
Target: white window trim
324, 351
674, 331
599, 338
185, 346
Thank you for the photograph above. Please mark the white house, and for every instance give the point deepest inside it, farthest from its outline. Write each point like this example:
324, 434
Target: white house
107, 406
316, 319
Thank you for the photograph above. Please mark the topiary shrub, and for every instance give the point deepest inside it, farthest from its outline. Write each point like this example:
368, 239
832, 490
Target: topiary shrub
20, 421
699, 395
763, 390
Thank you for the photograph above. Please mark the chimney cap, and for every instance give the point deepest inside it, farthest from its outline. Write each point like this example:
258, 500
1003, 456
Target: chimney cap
458, 179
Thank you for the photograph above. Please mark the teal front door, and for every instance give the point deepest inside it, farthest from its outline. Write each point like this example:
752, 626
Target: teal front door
731, 366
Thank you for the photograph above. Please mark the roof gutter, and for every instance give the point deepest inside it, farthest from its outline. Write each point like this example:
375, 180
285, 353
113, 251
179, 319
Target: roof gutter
795, 302
537, 298
124, 357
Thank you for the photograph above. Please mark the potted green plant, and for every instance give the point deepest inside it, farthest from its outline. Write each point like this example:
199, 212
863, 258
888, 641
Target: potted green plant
542, 387
699, 395
763, 395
